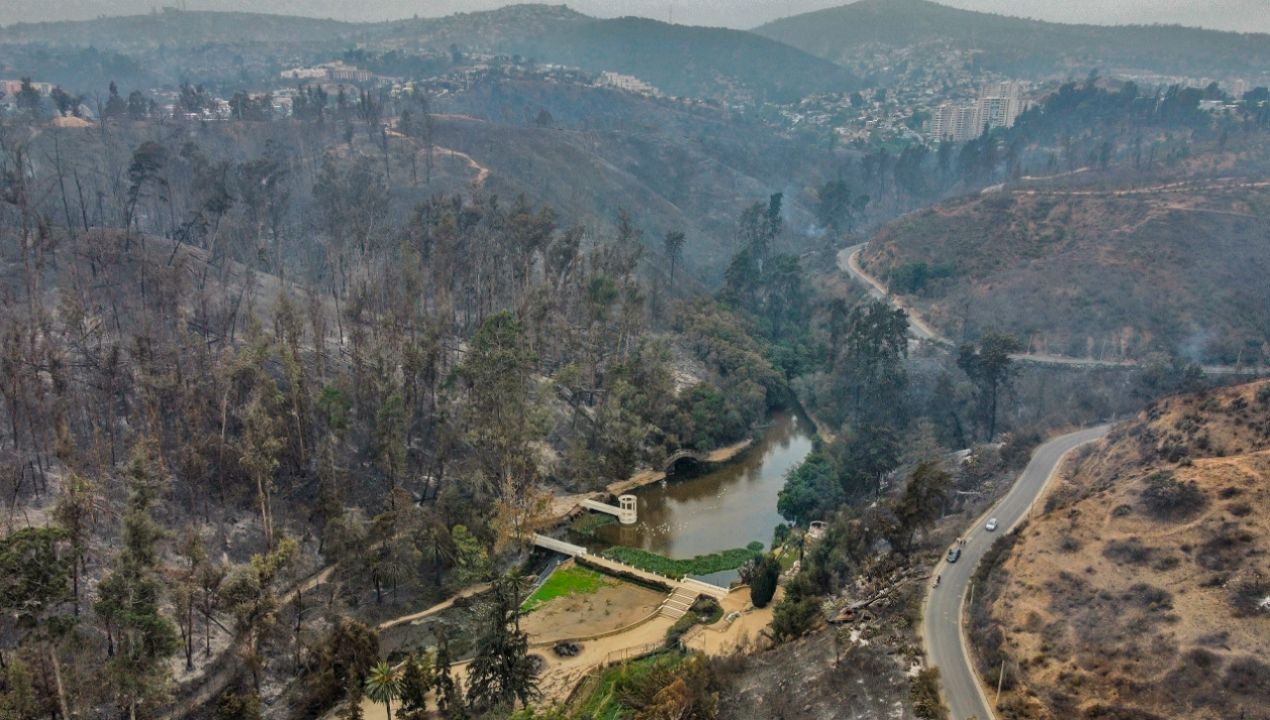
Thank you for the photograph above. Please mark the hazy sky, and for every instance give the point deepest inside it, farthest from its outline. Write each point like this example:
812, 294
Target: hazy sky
1241, 15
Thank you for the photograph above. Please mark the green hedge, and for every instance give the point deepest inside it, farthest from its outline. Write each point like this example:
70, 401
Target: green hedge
700, 565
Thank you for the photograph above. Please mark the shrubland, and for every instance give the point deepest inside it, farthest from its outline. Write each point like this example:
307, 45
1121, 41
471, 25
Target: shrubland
1139, 591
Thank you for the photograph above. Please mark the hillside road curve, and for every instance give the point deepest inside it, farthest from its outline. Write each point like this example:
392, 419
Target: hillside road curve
942, 630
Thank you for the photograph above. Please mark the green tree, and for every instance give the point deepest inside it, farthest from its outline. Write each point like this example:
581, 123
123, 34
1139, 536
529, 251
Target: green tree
34, 581
872, 454
761, 225
837, 207
925, 693
76, 511
763, 584
262, 445
28, 96
129, 598
438, 547
499, 417
232, 706
383, 684
416, 681
992, 371
812, 490
870, 375
390, 443
795, 614
148, 161
138, 105
449, 699
471, 561
18, 698
502, 671
674, 245
115, 106
353, 707
923, 500
251, 596
187, 587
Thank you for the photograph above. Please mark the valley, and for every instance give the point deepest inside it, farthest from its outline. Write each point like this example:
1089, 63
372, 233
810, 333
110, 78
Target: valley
891, 360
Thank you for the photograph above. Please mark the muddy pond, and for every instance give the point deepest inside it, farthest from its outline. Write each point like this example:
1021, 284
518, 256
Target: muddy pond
697, 511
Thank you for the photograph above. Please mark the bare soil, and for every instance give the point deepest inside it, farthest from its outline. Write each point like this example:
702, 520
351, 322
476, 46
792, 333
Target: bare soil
579, 616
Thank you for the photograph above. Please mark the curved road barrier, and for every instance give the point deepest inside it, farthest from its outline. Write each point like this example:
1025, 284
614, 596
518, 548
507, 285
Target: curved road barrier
942, 630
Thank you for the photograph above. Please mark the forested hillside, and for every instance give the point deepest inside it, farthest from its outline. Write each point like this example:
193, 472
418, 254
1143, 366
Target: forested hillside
234, 348
1016, 45
1105, 273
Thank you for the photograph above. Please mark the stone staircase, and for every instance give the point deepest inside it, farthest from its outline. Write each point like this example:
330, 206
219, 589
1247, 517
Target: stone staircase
677, 605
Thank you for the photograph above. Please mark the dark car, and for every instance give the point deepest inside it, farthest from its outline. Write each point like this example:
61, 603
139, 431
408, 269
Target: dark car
954, 555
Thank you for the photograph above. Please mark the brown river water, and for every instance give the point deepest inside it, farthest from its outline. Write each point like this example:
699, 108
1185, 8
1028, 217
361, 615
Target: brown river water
724, 507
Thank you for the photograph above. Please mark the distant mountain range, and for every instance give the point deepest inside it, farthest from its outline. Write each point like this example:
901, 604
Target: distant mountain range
1239, 15
677, 59
1019, 46
780, 61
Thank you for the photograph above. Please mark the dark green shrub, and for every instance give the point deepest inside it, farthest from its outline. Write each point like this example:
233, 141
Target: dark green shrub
925, 694
681, 627
763, 584
1168, 497
795, 615
1131, 551
780, 535
232, 706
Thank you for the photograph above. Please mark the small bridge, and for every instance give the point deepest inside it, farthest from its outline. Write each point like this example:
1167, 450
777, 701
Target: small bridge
625, 511
559, 546
686, 455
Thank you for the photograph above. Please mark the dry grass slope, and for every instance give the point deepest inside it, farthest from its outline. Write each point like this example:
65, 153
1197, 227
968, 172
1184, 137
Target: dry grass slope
1144, 589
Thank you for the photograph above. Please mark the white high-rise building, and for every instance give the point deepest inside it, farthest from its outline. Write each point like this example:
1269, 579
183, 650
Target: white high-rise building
958, 124
998, 106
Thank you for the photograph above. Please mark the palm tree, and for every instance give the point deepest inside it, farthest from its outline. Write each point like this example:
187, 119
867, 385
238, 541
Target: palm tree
383, 684
519, 585
437, 547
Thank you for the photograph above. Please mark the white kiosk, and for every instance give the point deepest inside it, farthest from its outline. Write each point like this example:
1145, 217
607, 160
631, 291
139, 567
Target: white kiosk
627, 505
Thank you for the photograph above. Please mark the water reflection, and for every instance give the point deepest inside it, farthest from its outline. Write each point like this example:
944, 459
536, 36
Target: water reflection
727, 508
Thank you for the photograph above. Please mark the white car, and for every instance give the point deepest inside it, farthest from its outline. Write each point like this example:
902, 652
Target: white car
992, 524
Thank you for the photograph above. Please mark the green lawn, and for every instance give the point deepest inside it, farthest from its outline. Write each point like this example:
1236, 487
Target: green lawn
566, 581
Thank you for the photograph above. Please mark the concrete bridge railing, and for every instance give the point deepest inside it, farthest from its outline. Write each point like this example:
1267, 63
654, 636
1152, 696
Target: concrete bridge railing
626, 510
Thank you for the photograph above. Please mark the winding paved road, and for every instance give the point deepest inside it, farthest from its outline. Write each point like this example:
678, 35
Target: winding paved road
942, 630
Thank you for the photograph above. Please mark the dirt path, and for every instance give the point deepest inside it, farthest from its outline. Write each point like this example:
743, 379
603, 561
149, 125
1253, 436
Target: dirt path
223, 666
464, 593
482, 172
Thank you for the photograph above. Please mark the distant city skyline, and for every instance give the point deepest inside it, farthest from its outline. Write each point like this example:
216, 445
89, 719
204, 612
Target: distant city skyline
1236, 15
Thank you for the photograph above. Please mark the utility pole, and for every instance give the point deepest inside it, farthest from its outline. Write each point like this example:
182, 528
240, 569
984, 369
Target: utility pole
1000, 682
